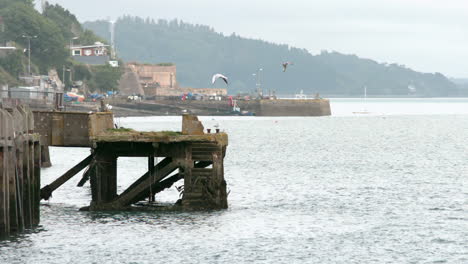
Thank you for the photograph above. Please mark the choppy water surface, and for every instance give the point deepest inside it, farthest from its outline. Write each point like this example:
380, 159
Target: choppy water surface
342, 189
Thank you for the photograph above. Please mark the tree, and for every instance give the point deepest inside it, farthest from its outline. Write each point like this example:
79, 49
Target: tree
12, 63
48, 48
105, 78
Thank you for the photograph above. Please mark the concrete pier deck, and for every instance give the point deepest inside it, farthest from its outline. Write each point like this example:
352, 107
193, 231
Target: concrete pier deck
191, 155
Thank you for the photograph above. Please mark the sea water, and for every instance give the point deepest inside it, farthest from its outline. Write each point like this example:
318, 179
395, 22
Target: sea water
385, 187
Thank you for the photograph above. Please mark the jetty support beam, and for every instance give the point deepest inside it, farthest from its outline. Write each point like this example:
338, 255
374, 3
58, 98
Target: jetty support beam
46, 191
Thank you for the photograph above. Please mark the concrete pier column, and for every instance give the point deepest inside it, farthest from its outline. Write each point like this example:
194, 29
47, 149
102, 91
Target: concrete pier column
36, 183
4, 185
45, 157
16, 205
186, 168
104, 179
25, 181
29, 186
4, 194
218, 184
151, 173
204, 187
19, 175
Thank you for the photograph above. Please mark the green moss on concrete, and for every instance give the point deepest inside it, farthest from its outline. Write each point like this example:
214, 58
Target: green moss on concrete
170, 133
120, 130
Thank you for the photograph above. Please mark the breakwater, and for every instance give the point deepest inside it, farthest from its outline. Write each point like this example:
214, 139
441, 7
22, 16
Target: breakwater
264, 107
287, 107
20, 162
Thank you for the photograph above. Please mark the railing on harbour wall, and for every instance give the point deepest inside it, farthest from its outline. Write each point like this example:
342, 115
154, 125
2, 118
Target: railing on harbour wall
20, 159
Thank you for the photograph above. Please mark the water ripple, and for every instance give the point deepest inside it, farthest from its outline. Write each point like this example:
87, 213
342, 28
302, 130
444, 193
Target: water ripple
303, 190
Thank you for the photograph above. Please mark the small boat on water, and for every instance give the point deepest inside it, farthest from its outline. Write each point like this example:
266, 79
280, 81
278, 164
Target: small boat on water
301, 95
364, 111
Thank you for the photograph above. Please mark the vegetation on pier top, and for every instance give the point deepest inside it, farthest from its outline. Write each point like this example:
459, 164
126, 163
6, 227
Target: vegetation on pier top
130, 135
132, 131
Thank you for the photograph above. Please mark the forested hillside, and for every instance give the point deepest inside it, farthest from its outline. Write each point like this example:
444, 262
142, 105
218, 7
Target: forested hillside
199, 52
50, 34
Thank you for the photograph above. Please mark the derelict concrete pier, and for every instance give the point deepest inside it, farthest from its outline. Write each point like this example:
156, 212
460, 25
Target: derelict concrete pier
191, 155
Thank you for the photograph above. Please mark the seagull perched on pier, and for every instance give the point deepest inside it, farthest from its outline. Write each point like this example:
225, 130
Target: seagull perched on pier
219, 76
285, 65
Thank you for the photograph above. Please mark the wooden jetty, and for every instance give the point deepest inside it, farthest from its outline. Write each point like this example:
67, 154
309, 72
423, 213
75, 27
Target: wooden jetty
20, 160
191, 155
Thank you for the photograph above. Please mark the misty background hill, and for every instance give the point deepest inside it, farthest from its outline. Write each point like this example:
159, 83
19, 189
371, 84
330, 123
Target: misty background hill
462, 83
199, 51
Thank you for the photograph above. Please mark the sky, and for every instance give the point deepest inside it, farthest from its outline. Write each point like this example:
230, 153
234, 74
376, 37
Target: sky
425, 35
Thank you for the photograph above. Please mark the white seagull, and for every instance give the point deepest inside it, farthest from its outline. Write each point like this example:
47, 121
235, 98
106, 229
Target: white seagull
219, 76
285, 65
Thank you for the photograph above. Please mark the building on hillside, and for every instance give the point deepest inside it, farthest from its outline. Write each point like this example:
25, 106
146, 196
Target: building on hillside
153, 77
159, 80
4, 51
96, 54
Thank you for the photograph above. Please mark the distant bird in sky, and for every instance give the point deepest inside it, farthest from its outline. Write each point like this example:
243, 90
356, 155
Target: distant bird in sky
219, 76
285, 65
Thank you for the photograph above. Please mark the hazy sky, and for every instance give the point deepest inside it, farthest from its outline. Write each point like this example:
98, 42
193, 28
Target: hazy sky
426, 35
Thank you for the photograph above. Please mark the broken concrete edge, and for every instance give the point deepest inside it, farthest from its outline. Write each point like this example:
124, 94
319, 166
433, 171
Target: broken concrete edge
162, 137
191, 125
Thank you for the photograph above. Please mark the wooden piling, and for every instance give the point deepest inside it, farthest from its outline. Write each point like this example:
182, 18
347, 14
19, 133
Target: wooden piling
4, 204
37, 182
20, 153
16, 203
4, 177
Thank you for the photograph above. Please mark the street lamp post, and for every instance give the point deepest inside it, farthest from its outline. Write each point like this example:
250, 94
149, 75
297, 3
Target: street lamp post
63, 75
29, 51
258, 82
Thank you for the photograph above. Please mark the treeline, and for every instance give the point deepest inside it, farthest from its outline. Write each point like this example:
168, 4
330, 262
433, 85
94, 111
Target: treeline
50, 34
199, 51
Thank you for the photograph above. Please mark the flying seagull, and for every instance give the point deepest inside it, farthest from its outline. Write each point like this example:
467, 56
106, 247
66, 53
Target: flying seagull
219, 76
285, 65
